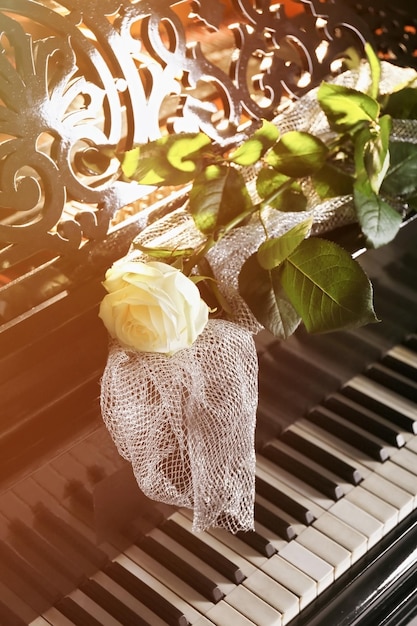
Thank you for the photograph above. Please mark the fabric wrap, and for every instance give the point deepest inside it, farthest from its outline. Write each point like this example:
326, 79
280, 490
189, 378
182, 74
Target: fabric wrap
186, 423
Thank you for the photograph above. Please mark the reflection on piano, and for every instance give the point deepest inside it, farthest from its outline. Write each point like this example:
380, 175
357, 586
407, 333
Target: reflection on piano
336, 518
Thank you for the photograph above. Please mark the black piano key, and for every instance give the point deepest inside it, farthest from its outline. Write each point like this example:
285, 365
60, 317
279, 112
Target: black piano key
206, 553
256, 541
323, 484
392, 414
393, 380
346, 471
145, 594
402, 361
111, 604
327, 420
365, 418
411, 342
180, 568
274, 522
284, 502
75, 613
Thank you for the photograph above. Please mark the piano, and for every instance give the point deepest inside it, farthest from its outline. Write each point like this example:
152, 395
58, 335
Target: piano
336, 489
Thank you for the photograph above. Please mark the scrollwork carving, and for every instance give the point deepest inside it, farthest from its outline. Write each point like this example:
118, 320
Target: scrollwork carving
79, 74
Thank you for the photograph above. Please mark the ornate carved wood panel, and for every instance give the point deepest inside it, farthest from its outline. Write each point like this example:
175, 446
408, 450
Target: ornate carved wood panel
77, 74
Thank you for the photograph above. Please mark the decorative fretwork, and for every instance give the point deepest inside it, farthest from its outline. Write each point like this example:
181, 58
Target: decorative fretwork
78, 74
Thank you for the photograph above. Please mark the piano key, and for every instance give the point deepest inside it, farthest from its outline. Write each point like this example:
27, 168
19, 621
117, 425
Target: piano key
298, 466
327, 549
236, 558
257, 542
146, 596
273, 519
399, 383
321, 456
54, 617
360, 520
292, 578
407, 459
274, 594
341, 428
399, 411
121, 604
392, 472
201, 549
222, 614
162, 595
14, 609
253, 607
283, 501
379, 509
394, 495
309, 563
410, 342
180, 567
366, 419
41, 621
310, 499
194, 598
343, 534
91, 614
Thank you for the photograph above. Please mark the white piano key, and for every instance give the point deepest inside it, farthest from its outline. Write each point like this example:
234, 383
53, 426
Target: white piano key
41, 621
376, 507
253, 607
93, 609
195, 599
53, 617
309, 563
387, 491
384, 395
412, 444
203, 568
293, 579
127, 599
296, 484
334, 445
159, 587
407, 460
343, 534
400, 477
222, 614
325, 548
245, 566
360, 520
274, 594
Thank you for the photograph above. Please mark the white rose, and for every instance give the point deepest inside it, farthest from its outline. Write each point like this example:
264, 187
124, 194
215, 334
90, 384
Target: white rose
152, 307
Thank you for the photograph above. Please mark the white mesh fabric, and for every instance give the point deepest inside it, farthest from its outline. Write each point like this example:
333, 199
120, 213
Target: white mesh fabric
186, 423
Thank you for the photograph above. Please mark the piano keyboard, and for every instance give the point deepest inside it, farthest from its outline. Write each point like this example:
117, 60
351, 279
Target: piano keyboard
335, 487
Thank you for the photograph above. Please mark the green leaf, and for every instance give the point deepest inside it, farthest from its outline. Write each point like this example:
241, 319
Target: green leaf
402, 105
375, 67
346, 108
273, 251
297, 154
262, 292
379, 221
331, 181
372, 153
171, 160
401, 177
218, 195
255, 147
279, 191
327, 288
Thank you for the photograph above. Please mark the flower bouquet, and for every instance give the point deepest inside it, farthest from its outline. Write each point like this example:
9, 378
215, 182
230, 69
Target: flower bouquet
246, 252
